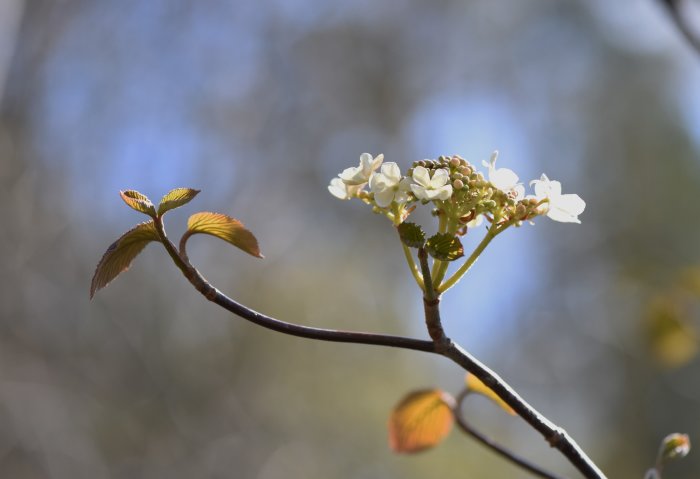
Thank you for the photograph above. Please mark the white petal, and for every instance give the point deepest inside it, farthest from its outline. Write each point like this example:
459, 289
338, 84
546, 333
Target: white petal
384, 198
365, 162
561, 216
421, 176
554, 188
542, 189
503, 179
405, 184
392, 173
377, 182
519, 191
377, 161
444, 193
571, 203
476, 221
420, 192
353, 176
338, 189
440, 177
401, 197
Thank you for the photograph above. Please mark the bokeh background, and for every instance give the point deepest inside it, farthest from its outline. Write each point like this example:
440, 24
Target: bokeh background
260, 104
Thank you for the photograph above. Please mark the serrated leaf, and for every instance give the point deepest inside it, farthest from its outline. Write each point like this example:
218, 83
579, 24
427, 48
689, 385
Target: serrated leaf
411, 235
138, 201
444, 247
176, 198
475, 384
226, 228
121, 253
420, 421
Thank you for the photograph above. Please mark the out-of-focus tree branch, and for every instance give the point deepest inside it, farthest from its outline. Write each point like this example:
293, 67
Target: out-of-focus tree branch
493, 445
675, 9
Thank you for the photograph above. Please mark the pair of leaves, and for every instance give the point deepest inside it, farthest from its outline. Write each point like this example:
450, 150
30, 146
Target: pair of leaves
173, 199
121, 253
422, 419
441, 246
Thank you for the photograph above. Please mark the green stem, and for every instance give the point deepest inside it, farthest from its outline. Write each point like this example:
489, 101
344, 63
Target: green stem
413, 267
442, 227
491, 234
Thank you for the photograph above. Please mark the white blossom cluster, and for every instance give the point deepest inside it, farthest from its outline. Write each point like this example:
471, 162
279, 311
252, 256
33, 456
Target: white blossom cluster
455, 187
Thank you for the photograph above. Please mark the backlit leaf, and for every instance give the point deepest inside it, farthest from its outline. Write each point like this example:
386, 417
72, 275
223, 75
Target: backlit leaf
121, 253
139, 202
176, 198
226, 228
672, 338
411, 235
475, 384
444, 247
420, 421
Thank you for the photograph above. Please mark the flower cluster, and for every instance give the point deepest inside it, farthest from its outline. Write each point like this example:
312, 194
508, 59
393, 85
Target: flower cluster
456, 189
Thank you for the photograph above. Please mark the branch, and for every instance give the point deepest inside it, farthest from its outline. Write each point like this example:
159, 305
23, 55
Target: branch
442, 345
554, 435
215, 296
493, 445
674, 9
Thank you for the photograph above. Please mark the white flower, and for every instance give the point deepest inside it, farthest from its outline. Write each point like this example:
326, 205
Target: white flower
427, 188
504, 179
342, 191
476, 221
360, 174
388, 186
563, 208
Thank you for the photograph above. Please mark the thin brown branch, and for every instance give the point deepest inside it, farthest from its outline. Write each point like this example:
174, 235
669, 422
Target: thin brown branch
215, 296
675, 9
556, 436
495, 446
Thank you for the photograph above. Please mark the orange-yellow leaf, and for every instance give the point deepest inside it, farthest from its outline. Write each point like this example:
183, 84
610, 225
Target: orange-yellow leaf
226, 228
420, 421
121, 253
475, 384
176, 198
673, 339
139, 202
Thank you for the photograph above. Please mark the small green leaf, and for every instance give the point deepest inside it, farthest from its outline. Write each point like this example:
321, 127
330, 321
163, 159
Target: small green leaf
411, 235
226, 228
121, 253
420, 421
444, 247
139, 202
176, 198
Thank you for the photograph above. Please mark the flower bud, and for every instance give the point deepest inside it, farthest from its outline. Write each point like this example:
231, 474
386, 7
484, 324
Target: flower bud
458, 184
675, 446
454, 162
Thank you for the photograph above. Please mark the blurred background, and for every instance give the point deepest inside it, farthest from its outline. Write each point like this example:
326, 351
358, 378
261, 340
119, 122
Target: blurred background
260, 104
